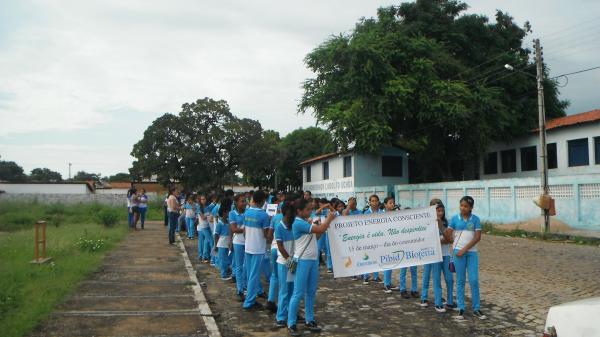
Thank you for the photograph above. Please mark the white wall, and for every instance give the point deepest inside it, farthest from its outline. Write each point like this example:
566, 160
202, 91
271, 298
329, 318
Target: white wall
560, 136
44, 188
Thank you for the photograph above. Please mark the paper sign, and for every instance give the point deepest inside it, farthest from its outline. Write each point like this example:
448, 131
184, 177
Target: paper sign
271, 209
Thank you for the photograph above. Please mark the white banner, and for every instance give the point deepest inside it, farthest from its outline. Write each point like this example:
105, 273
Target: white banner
368, 243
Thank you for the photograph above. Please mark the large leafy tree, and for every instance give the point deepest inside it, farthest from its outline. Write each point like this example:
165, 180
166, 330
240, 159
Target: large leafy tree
426, 77
11, 171
121, 176
45, 174
297, 146
203, 147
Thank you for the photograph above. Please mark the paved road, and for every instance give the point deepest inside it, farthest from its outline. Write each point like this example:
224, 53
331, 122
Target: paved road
142, 289
520, 280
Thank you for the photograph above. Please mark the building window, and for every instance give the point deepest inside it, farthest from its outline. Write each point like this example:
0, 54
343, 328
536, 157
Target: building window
597, 150
308, 174
326, 170
347, 166
509, 161
528, 158
552, 156
391, 166
578, 152
490, 163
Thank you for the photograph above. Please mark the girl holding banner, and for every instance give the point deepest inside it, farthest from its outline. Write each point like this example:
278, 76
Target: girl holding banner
307, 265
373, 208
389, 204
466, 229
439, 267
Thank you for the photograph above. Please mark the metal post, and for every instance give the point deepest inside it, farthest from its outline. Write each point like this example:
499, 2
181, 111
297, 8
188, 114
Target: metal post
542, 129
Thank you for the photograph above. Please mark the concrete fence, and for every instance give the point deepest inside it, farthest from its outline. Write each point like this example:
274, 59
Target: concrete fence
510, 200
104, 198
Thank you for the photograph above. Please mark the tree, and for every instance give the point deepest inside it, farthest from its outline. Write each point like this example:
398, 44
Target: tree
259, 161
45, 174
85, 176
297, 146
11, 172
203, 147
426, 78
121, 176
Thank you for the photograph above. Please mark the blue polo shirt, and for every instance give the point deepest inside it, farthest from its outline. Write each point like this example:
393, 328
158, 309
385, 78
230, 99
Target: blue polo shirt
286, 237
304, 240
222, 230
464, 230
355, 212
256, 221
238, 219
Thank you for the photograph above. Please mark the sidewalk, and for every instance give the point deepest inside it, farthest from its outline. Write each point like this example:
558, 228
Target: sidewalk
142, 289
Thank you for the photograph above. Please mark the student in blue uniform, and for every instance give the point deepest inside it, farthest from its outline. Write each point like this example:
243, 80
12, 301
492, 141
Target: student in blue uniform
236, 221
204, 235
373, 208
285, 250
322, 212
466, 229
389, 205
223, 239
273, 280
439, 267
307, 270
256, 233
351, 209
190, 215
214, 219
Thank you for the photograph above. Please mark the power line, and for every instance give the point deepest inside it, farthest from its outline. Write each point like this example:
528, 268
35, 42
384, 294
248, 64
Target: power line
575, 72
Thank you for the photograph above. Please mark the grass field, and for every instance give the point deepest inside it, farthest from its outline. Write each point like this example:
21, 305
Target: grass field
76, 242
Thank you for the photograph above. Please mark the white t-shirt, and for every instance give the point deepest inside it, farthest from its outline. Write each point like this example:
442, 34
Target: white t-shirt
304, 240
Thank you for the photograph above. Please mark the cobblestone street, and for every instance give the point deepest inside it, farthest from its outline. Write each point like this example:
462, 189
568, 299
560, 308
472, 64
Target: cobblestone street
519, 278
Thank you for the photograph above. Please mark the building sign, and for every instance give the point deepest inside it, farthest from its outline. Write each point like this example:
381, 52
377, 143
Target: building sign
333, 186
368, 243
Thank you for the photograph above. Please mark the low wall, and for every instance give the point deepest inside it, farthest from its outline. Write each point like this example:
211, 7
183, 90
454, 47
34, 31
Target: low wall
106, 199
510, 200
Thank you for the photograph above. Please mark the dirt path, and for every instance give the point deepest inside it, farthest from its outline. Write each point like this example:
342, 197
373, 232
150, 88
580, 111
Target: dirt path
143, 288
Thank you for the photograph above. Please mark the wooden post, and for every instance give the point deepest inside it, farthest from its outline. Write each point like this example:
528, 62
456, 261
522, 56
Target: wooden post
36, 251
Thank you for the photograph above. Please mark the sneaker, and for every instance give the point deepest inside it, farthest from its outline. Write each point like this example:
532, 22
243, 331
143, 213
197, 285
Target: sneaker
366, 282
280, 324
404, 294
479, 314
460, 315
226, 278
451, 306
329, 271
354, 278
255, 307
424, 303
440, 309
414, 294
378, 280
312, 326
271, 306
212, 264
387, 289
396, 288
293, 330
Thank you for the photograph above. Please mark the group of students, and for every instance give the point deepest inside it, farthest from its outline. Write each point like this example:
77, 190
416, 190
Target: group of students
137, 206
236, 236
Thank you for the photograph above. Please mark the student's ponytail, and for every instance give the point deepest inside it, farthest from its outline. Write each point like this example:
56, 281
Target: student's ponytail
289, 212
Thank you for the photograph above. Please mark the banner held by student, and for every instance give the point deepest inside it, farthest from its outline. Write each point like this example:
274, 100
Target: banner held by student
368, 243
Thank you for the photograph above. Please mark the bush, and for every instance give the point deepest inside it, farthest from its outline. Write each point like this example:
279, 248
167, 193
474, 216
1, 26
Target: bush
108, 217
90, 245
17, 220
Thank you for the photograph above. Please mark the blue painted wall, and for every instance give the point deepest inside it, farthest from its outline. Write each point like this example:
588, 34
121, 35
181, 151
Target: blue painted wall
510, 200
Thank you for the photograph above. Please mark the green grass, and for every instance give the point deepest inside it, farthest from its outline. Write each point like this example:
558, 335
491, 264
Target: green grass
155, 211
29, 292
490, 228
16, 216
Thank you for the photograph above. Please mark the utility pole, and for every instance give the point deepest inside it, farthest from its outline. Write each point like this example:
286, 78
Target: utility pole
542, 127
70, 171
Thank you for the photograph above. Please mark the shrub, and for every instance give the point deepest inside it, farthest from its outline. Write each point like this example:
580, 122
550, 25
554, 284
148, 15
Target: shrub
108, 217
17, 220
90, 245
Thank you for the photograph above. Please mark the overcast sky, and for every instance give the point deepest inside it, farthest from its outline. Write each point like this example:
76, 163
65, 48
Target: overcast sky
81, 80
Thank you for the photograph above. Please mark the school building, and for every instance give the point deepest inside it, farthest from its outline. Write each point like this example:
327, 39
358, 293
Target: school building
349, 173
507, 177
